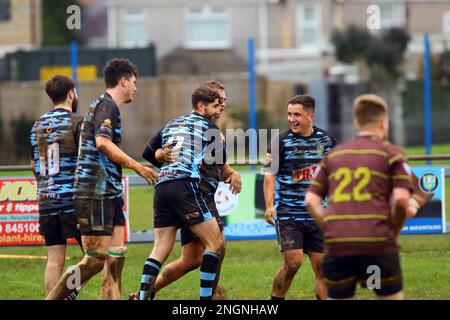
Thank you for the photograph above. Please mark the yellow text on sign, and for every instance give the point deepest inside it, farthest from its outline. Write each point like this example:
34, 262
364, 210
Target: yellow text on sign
85, 73
18, 191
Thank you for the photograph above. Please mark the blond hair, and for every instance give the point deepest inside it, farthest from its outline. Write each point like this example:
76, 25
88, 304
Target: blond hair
369, 109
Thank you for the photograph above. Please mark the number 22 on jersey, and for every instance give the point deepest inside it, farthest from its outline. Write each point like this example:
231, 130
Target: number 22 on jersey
345, 176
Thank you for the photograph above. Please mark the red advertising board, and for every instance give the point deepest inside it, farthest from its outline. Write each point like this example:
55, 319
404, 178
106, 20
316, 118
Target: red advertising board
19, 212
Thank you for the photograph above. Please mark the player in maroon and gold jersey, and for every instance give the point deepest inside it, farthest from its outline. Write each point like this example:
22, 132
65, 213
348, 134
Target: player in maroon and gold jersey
368, 183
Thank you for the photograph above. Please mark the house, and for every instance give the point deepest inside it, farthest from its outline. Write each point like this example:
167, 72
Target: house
192, 29
20, 25
189, 27
292, 37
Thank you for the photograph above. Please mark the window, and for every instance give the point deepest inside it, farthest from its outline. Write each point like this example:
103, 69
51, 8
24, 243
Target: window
207, 27
392, 14
5, 10
446, 22
309, 23
134, 28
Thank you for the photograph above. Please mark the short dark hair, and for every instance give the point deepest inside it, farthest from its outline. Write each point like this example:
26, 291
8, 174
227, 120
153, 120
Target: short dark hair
58, 87
117, 68
205, 95
305, 100
369, 109
213, 84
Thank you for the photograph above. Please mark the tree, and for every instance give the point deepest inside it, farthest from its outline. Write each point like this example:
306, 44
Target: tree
351, 44
54, 17
382, 54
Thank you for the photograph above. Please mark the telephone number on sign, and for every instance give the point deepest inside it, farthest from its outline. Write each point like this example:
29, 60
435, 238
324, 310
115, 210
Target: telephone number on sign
19, 227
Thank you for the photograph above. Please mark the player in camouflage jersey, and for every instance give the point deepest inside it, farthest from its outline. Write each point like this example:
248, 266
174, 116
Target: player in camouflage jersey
192, 248
178, 200
98, 184
299, 151
54, 148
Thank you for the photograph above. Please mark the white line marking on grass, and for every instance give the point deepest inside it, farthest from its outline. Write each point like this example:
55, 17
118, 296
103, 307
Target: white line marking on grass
16, 256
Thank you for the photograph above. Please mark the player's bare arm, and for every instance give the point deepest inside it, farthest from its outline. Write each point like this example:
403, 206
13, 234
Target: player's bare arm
315, 208
400, 199
116, 155
232, 177
269, 197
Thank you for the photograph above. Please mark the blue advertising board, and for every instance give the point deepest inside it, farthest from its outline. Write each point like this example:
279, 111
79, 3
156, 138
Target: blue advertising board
431, 217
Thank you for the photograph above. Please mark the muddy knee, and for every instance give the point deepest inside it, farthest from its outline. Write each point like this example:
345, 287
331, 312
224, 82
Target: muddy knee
291, 267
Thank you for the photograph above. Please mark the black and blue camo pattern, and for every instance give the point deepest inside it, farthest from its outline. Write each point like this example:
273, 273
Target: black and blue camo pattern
187, 134
54, 139
96, 176
297, 156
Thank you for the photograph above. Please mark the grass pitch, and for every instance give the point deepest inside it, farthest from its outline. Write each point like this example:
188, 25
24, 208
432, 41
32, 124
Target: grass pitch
248, 268
247, 272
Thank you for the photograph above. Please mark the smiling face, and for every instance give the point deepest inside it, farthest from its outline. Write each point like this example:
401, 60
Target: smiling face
300, 120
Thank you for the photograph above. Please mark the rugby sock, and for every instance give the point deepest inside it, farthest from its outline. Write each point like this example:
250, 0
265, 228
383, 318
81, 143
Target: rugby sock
149, 274
73, 295
152, 294
276, 298
208, 271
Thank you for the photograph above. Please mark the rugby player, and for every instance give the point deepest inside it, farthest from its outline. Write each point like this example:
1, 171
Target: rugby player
98, 184
300, 149
178, 197
192, 248
54, 148
367, 182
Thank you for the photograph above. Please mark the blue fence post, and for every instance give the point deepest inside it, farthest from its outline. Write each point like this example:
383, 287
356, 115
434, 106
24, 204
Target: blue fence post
427, 95
74, 62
